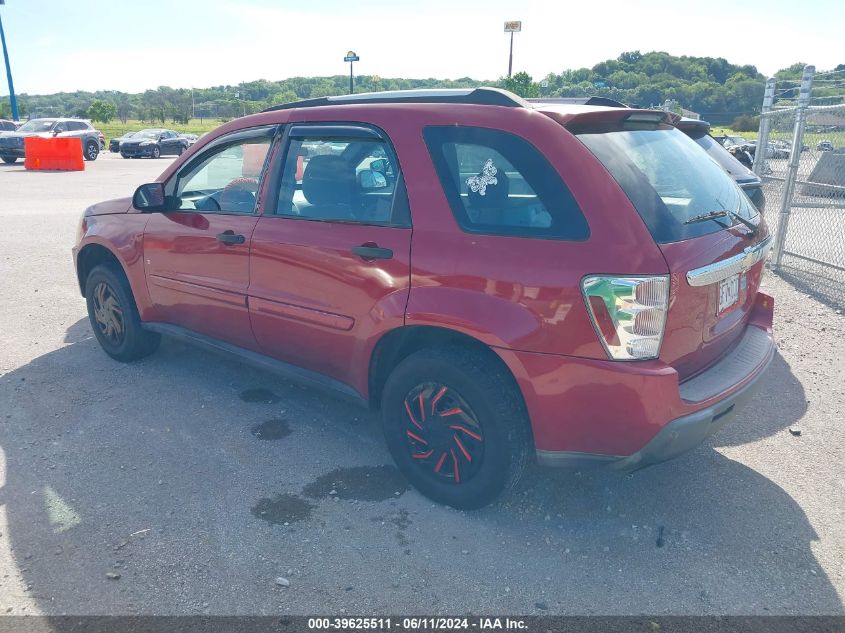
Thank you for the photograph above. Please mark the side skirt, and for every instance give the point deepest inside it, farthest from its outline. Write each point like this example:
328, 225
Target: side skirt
288, 371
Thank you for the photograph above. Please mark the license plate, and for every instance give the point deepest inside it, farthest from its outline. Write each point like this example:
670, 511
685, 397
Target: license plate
728, 293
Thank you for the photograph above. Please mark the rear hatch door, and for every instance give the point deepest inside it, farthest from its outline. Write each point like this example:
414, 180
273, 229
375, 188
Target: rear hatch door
711, 235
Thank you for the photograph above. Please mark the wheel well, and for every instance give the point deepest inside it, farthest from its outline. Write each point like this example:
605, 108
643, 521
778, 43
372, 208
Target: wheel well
397, 345
91, 256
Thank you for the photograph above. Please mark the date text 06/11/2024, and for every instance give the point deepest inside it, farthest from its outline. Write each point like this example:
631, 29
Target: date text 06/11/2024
415, 624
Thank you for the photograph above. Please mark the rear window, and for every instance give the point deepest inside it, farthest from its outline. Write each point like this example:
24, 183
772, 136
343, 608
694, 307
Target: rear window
497, 183
669, 179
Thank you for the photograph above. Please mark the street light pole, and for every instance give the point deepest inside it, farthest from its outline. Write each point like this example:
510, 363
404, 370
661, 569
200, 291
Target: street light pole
12, 100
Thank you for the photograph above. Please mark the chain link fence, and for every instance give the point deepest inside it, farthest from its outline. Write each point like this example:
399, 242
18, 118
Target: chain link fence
804, 181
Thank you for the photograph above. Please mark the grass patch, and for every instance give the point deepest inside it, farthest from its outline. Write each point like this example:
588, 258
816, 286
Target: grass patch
194, 126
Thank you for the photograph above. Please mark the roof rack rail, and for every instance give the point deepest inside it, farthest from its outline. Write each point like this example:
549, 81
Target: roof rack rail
476, 96
593, 101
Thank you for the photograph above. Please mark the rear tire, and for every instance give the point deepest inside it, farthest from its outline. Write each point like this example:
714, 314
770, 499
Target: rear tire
92, 150
10, 160
456, 426
114, 316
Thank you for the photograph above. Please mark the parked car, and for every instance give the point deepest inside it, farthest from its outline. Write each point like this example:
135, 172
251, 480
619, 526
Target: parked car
7, 126
526, 315
824, 146
153, 143
781, 149
729, 140
12, 144
699, 131
191, 138
114, 144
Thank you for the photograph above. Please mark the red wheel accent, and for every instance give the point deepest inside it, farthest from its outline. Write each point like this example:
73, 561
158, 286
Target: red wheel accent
417, 438
411, 415
463, 448
432, 439
474, 436
436, 399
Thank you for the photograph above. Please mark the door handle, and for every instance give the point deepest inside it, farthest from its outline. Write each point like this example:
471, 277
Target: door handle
230, 237
372, 253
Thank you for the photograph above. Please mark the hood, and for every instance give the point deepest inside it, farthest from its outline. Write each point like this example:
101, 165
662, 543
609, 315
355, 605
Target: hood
109, 207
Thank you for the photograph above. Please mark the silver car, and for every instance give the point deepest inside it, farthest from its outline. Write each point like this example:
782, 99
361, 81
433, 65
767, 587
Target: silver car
12, 144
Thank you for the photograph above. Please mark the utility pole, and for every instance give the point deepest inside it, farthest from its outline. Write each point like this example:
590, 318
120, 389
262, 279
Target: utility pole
351, 57
512, 27
12, 100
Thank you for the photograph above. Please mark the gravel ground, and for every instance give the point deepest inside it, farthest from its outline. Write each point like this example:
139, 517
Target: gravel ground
187, 483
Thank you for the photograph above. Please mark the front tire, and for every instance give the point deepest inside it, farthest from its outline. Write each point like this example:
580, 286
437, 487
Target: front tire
10, 160
114, 316
124, 154
155, 152
92, 150
456, 426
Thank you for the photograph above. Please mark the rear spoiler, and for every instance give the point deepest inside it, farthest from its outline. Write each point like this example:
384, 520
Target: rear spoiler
608, 117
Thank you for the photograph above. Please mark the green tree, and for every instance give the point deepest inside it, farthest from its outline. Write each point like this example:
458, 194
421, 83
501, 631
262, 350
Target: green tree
522, 84
102, 111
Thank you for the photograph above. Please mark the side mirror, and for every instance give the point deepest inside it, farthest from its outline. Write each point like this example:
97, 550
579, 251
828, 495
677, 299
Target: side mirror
150, 198
56, 132
370, 179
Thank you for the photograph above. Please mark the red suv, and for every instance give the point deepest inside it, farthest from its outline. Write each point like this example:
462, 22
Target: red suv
502, 279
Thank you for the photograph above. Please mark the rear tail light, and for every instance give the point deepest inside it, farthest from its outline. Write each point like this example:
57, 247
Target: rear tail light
629, 313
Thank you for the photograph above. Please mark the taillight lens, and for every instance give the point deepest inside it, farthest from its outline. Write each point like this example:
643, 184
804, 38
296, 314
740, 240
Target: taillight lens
629, 313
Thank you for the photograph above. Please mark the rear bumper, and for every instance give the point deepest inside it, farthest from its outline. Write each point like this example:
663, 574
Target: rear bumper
630, 415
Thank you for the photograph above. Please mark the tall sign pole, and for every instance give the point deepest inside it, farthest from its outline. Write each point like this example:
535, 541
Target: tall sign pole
12, 100
351, 57
512, 27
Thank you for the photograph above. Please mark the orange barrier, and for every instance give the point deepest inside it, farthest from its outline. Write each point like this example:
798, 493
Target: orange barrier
63, 154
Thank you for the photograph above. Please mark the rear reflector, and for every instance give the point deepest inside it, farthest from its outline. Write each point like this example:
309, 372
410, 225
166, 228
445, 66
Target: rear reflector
628, 313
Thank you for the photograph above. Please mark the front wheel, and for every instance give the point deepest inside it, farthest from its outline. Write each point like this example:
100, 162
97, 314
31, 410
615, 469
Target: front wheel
10, 160
114, 316
92, 150
156, 151
124, 154
456, 426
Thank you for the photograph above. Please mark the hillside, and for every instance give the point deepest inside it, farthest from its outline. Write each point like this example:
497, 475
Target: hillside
717, 89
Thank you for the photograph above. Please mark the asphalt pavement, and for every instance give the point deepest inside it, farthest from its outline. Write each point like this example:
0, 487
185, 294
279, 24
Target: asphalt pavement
187, 483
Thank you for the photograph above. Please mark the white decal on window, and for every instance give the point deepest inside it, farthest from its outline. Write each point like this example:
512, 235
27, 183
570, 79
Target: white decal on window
487, 176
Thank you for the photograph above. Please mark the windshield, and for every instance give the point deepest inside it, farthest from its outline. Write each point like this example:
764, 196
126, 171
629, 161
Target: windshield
148, 134
669, 179
37, 125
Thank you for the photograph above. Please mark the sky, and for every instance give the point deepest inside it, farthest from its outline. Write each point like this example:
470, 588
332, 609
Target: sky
133, 45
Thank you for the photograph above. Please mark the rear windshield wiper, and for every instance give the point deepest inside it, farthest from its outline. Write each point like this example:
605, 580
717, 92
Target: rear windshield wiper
752, 228
710, 215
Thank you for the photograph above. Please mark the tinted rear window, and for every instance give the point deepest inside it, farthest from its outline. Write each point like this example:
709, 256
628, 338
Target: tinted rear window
669, 179
498, 183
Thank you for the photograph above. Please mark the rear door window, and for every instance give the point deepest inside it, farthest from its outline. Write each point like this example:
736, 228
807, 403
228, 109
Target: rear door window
344, 174
498, 183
